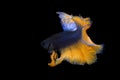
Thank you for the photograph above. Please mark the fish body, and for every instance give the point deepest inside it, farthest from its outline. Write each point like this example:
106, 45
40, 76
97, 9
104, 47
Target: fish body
74, 44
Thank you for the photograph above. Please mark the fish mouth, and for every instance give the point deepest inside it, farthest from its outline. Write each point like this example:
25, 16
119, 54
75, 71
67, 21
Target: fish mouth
63, 15
60, 13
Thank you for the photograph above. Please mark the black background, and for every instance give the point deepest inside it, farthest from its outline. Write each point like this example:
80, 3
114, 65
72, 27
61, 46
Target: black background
44, 22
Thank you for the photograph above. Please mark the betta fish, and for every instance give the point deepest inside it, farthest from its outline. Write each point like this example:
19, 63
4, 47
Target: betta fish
72, 44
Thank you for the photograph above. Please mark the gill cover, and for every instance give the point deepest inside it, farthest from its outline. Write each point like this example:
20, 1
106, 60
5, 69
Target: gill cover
67, 22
